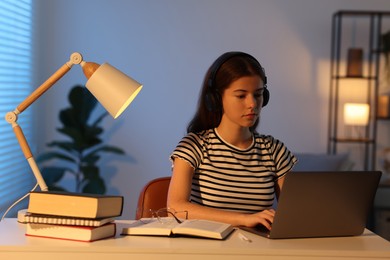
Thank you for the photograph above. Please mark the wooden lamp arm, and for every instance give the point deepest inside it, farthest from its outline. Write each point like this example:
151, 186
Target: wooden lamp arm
75, 58
12, 117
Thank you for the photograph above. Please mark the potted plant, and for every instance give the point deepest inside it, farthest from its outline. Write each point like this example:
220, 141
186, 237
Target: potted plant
80, 154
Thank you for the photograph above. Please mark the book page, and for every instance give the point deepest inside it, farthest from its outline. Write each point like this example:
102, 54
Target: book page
203, 228
151, 227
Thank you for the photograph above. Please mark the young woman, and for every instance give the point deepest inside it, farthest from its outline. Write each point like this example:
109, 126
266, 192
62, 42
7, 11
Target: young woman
224, 170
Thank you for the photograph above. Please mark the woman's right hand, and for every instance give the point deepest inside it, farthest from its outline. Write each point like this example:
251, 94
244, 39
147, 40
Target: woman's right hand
265, 218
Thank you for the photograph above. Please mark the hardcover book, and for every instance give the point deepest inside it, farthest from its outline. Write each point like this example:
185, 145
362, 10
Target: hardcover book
169, 227
77, 233
79, 205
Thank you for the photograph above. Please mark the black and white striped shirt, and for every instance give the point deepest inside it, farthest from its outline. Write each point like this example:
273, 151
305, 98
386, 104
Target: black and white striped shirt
230, 178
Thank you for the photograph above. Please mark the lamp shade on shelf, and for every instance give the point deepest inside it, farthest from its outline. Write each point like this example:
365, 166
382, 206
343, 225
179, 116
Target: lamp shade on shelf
356, 114
113, 89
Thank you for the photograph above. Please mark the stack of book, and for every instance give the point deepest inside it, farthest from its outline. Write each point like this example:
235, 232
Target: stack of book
71, 216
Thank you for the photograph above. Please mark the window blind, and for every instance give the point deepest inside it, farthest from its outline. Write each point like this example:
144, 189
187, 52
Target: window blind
16, 178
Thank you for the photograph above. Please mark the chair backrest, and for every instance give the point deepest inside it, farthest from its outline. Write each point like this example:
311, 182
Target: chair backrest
152, 197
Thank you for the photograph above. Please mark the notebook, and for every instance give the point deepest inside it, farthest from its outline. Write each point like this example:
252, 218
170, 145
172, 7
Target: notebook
323, 204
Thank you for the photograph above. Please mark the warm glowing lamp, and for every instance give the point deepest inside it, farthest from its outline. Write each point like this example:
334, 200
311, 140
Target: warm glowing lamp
356, 114
112, 88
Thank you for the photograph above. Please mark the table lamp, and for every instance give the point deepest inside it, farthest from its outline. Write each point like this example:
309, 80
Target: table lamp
356, 114
112, 88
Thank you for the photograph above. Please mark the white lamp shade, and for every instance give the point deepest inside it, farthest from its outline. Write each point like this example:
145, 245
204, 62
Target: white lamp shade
356, 114
113, 89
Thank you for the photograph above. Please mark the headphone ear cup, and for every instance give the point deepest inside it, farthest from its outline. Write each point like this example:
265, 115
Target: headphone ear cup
266, 96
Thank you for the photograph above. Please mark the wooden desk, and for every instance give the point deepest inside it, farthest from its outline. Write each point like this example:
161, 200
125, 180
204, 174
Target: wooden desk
15, 245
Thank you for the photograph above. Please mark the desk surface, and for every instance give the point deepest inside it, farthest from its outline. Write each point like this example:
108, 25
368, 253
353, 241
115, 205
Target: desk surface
15, 245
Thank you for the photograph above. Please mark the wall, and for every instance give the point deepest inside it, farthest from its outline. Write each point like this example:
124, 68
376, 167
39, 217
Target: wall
168, 46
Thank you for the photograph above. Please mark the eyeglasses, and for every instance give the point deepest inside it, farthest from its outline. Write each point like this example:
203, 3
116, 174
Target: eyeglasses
165, 215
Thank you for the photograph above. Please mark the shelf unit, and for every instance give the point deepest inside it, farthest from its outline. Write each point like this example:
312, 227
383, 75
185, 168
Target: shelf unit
349, 27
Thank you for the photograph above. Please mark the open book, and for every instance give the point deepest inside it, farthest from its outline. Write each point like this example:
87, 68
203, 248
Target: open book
169, 227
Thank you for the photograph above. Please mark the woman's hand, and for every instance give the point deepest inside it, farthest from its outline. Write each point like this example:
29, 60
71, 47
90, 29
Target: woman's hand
179, 195
265, 218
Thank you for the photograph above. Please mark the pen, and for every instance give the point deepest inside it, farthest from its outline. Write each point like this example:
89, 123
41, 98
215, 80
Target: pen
244, 238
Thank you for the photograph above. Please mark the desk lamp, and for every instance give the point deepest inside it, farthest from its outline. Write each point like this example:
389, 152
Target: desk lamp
113, 89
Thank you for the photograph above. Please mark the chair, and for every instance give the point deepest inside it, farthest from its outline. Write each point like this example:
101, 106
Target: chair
152, 197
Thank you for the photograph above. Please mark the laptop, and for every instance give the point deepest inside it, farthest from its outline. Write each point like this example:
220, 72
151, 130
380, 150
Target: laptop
323, 204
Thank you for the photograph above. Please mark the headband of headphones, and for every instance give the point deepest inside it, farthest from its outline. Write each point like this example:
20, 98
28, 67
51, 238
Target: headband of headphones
225, 57
212, 97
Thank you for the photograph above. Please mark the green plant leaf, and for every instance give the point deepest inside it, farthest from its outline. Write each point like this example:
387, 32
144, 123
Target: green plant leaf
107, 149
93, 130
95, 186
99, 119
73, 132
82, 104
68, 117
90, 159
90, 172
64, 145
54, 155
54, 187
77, 138
80, 95
82, 140
52, 175
92, 156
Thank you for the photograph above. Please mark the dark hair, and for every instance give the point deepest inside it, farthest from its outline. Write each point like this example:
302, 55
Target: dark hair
222, 75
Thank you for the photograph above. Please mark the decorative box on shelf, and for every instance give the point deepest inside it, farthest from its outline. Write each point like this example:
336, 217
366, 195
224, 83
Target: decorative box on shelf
384, 106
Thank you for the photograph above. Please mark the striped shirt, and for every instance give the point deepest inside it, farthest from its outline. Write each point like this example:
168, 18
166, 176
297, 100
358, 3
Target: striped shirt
230, 178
